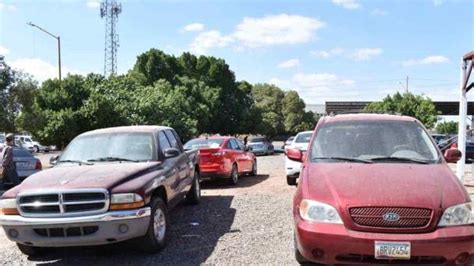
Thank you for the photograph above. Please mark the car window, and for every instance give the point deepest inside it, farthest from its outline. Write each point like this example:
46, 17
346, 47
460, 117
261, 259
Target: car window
368, 140
253, 140
203, 143
303, 137
163, 141
234, 144
21, 153
173, 141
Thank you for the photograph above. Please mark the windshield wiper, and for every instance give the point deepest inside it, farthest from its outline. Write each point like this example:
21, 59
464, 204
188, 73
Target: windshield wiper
112, 159
400, 159
349, 159
75, 161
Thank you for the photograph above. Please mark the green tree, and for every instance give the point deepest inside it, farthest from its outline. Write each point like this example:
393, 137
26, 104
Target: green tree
268, 99
418, 106
293, 110
449, 127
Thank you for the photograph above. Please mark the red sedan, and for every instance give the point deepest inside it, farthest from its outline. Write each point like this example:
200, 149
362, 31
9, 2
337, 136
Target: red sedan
223, 157
374, 189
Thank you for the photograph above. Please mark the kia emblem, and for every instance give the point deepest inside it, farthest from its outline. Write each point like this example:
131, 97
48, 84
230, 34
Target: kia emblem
391, 217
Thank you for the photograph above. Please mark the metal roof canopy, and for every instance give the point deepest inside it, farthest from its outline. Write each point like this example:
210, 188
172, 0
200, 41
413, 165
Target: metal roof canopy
466, 69
444, 108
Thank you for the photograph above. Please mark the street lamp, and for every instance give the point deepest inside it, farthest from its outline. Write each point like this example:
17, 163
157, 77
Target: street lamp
59, 46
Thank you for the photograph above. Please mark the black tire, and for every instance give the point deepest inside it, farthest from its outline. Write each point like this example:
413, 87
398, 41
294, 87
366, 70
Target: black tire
31, 251
37, 149
254, 168
291, 180
154, 241
194, 194
234, 175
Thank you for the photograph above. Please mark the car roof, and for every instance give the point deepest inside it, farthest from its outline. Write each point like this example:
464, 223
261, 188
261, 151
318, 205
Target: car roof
367, 117
124, 129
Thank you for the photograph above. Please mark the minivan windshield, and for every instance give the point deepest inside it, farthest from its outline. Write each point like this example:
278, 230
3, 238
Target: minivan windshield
135, 146
373, 142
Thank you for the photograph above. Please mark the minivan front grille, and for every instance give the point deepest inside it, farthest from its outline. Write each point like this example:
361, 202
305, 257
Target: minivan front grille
63, 203
406, 217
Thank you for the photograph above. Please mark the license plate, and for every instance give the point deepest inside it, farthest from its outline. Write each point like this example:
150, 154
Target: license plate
392, 250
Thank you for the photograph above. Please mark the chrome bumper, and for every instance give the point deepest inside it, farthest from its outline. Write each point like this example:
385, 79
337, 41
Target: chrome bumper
13, 220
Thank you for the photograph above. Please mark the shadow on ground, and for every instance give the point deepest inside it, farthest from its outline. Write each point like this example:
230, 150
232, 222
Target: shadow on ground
193, 235
223, 183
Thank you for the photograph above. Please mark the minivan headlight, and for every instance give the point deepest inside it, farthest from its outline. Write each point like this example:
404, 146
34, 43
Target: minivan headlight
461, 214
316, 211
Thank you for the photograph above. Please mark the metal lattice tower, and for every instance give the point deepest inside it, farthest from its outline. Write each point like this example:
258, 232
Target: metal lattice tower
110, 9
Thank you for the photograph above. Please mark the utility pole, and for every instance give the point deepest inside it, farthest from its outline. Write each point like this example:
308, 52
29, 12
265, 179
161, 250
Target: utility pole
406, 88
59, 47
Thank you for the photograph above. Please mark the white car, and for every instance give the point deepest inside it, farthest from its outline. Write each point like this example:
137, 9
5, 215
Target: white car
292, 168
30, 144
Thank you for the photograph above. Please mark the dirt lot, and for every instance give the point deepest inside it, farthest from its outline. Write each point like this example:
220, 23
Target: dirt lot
247, 224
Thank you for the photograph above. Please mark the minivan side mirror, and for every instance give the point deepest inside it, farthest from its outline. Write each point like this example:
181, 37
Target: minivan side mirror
171, 152
294, 154
452, 155
53, 160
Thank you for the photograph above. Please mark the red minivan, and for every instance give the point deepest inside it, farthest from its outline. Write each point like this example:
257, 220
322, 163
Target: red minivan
223, 157
374, 189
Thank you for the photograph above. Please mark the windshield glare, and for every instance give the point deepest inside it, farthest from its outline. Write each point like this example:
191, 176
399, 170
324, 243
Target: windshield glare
203, 143
129, 146
368, 140
303, 137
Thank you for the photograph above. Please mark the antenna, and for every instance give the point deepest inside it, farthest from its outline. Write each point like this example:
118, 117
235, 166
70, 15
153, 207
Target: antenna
110, 9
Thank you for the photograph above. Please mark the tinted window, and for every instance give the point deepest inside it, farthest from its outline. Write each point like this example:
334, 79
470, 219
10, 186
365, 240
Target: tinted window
369, 140
257, 140
234, 144
203, 143
173, 141
21, 153
164, 143
303, 137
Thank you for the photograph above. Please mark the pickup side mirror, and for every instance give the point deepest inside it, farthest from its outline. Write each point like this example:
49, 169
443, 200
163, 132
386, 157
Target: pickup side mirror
53, 160
295, 155
171, 152
452, 155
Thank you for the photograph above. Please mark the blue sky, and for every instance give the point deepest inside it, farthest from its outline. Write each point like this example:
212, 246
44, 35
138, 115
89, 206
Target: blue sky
324, 49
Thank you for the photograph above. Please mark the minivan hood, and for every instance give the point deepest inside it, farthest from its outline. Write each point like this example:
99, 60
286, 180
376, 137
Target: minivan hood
99, 175
348, 185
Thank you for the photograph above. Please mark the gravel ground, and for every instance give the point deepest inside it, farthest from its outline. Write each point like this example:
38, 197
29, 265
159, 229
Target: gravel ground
247, 224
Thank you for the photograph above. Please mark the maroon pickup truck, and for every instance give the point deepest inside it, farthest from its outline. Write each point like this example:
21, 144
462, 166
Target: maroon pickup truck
109, 185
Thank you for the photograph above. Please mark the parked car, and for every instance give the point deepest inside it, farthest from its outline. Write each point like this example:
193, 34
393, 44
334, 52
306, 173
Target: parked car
260, 146
438, 137
24, 145
30, 142
26, 163
374, 189
453, 143
287, 143
293, 167
223, 157
109, 185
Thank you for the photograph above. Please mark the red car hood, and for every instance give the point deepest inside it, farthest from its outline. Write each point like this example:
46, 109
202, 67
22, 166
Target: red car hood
103, 175
346, 185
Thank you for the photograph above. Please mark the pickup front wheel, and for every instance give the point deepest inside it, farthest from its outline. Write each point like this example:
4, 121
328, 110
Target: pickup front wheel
155, 238
194, 194
30, 250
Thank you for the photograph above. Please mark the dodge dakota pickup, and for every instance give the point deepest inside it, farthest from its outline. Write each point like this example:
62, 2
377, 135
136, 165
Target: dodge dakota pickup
109, 185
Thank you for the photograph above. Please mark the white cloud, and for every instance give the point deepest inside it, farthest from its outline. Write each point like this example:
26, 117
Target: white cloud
4, 50
260, 32
276, 29
193, 27
279, 82
40, 69
7, 7
328, 53
347, 4
289, 63
94, 4
432, 59
209, 39
365, 54
379, 12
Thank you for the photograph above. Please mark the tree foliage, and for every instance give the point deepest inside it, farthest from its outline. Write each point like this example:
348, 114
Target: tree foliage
448, 127
418, 106
192, 94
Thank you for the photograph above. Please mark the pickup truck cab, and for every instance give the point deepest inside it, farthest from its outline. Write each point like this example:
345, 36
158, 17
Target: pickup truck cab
375, 189
109, 185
